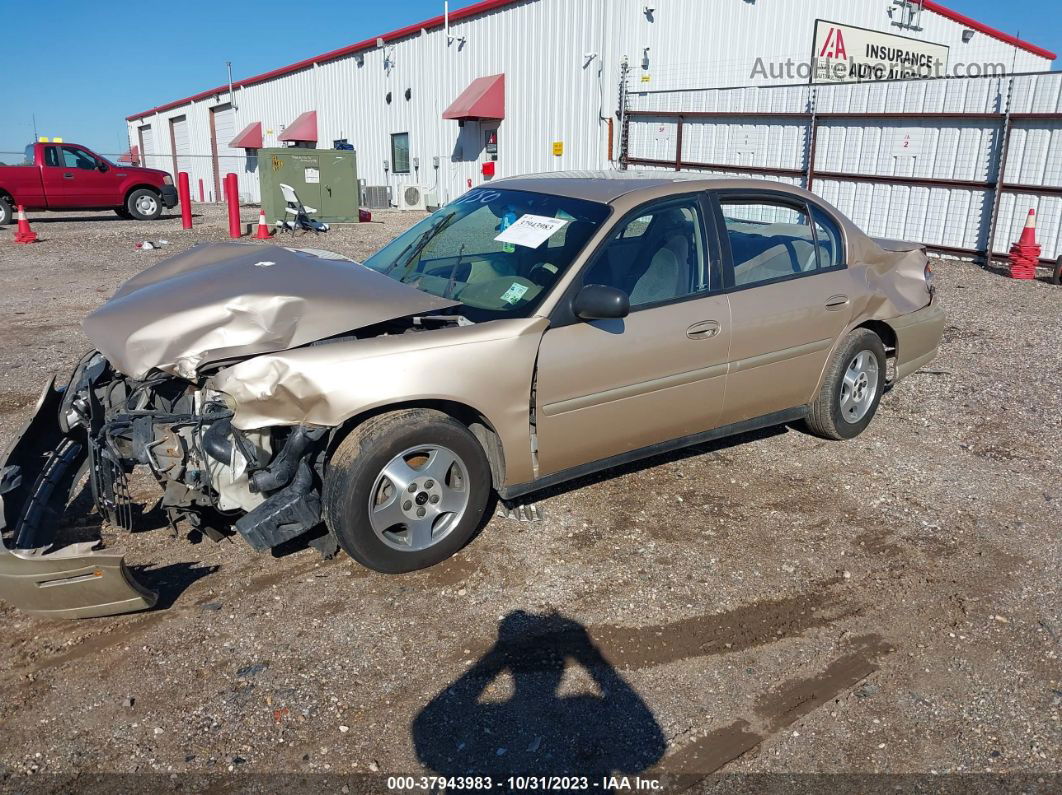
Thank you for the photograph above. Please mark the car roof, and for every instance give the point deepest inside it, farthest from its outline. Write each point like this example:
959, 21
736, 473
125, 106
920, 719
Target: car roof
608, 186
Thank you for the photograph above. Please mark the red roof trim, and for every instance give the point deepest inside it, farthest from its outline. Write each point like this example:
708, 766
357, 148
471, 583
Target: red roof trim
483, 99
475, 9
304, 128
250, 137
962, 19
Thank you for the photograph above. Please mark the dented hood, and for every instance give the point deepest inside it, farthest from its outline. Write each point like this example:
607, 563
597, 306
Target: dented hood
231, 300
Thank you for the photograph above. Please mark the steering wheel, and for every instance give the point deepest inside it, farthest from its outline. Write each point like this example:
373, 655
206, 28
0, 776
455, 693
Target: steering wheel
543, 273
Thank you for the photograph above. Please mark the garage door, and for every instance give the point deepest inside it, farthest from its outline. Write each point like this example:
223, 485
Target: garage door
147, 147
226, 160
182, 145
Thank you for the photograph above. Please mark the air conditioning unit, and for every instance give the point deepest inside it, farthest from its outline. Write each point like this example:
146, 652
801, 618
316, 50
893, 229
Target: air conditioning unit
376, 197
413, 197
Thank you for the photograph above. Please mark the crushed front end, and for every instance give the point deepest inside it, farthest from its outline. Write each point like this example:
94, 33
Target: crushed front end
214, 478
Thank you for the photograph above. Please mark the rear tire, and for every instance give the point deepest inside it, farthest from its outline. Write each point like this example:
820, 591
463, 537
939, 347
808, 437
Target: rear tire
851, 388
1056, 276
375, 517
7, 212
144, 204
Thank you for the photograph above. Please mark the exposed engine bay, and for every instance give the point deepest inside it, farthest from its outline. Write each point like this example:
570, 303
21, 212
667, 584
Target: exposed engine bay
209, 472
214, 478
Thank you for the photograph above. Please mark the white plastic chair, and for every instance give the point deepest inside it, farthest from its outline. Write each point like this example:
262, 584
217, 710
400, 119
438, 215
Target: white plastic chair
302, 219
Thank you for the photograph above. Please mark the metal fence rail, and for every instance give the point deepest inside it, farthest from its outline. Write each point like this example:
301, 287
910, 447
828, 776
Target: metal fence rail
952, 163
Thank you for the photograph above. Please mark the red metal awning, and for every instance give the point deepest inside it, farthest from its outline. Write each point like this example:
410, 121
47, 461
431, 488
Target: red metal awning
303, 128
250, 137
132, 156
483, 99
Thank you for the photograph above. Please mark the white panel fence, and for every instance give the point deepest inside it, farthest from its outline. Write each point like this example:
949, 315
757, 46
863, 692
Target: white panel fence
951, 163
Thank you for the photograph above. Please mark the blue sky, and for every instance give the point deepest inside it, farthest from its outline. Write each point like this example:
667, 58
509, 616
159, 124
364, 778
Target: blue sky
95, 63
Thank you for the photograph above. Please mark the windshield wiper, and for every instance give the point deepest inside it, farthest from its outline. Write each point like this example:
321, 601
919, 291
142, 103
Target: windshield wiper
417, 245
453, 272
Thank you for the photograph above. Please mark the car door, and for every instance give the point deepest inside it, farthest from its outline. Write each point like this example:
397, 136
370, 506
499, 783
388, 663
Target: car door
57, 179
89, 185
791, 296
608, 387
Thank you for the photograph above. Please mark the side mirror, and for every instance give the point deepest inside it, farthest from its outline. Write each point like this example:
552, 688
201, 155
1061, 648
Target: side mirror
598, 302
102, 167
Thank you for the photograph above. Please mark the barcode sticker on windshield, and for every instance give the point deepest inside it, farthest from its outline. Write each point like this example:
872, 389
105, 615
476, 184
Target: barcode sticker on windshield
531, 231
514, 293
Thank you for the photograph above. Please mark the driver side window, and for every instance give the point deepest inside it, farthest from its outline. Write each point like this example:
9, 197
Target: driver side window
77, 158
656, 255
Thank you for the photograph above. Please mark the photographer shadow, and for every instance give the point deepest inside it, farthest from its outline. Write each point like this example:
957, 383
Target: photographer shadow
535, 729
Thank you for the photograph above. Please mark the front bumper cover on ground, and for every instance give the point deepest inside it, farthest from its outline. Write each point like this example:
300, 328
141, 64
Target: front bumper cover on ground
74, 581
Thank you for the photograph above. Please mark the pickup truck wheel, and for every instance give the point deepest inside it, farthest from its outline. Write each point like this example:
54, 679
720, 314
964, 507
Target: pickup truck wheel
406, 490
123, 213
7, 214
144, 204
852, 388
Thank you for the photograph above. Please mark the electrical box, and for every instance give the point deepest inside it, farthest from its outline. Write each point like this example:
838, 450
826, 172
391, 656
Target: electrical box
326, 179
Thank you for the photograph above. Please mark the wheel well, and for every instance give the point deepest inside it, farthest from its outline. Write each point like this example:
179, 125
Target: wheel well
479, 425
152, 188
887, 336
885, 332
5, 195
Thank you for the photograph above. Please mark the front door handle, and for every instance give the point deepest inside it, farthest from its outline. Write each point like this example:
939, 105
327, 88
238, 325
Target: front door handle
835, 302
706, 329
68, 176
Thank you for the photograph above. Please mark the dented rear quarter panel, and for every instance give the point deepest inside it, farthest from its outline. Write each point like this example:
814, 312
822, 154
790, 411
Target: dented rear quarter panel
487, 367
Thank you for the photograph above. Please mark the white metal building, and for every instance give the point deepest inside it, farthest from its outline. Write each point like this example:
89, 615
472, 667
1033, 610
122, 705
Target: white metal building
560, 66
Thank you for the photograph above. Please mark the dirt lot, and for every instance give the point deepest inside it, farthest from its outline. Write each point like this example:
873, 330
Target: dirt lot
775, 603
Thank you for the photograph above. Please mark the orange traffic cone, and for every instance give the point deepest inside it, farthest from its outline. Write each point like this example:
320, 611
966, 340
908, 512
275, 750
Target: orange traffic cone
263, 230
24, 233
1025, 254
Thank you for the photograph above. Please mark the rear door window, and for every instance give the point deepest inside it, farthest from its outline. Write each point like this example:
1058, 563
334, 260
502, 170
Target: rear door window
769, 240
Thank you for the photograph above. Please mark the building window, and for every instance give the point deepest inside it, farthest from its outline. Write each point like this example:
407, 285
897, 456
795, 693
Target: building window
400, 152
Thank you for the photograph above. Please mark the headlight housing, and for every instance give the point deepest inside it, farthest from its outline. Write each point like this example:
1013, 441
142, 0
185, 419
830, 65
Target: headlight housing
167, 180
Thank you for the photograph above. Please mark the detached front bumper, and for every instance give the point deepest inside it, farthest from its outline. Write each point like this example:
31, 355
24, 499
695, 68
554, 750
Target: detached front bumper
75, 581
169, 196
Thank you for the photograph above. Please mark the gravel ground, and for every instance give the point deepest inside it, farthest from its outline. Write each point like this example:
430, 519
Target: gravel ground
773, 603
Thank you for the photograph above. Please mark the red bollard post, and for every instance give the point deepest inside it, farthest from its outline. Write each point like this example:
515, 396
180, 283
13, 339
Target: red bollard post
232, 196
184, 196
202, 196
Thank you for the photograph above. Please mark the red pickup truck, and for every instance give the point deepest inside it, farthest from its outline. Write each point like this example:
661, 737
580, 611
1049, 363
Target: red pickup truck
62, 176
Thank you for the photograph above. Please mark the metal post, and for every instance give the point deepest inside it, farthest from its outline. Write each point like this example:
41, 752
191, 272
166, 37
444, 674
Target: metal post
813, 130
232, 196
1001, 167
184, 196
624, 68
678, 144
202, 195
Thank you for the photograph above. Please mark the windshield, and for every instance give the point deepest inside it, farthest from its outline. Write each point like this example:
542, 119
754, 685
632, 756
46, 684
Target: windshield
496, 251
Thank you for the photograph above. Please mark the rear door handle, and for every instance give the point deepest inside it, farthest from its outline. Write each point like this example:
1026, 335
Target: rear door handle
68, 176
706, 329
836, 302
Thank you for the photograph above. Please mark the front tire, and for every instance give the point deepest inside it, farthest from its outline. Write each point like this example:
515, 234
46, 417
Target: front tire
852, 388
406, 490
7, 212
123, 213
144, 204
1056, 275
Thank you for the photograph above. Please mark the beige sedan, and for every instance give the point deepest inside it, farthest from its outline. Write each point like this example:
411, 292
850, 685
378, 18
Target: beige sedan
533, 331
